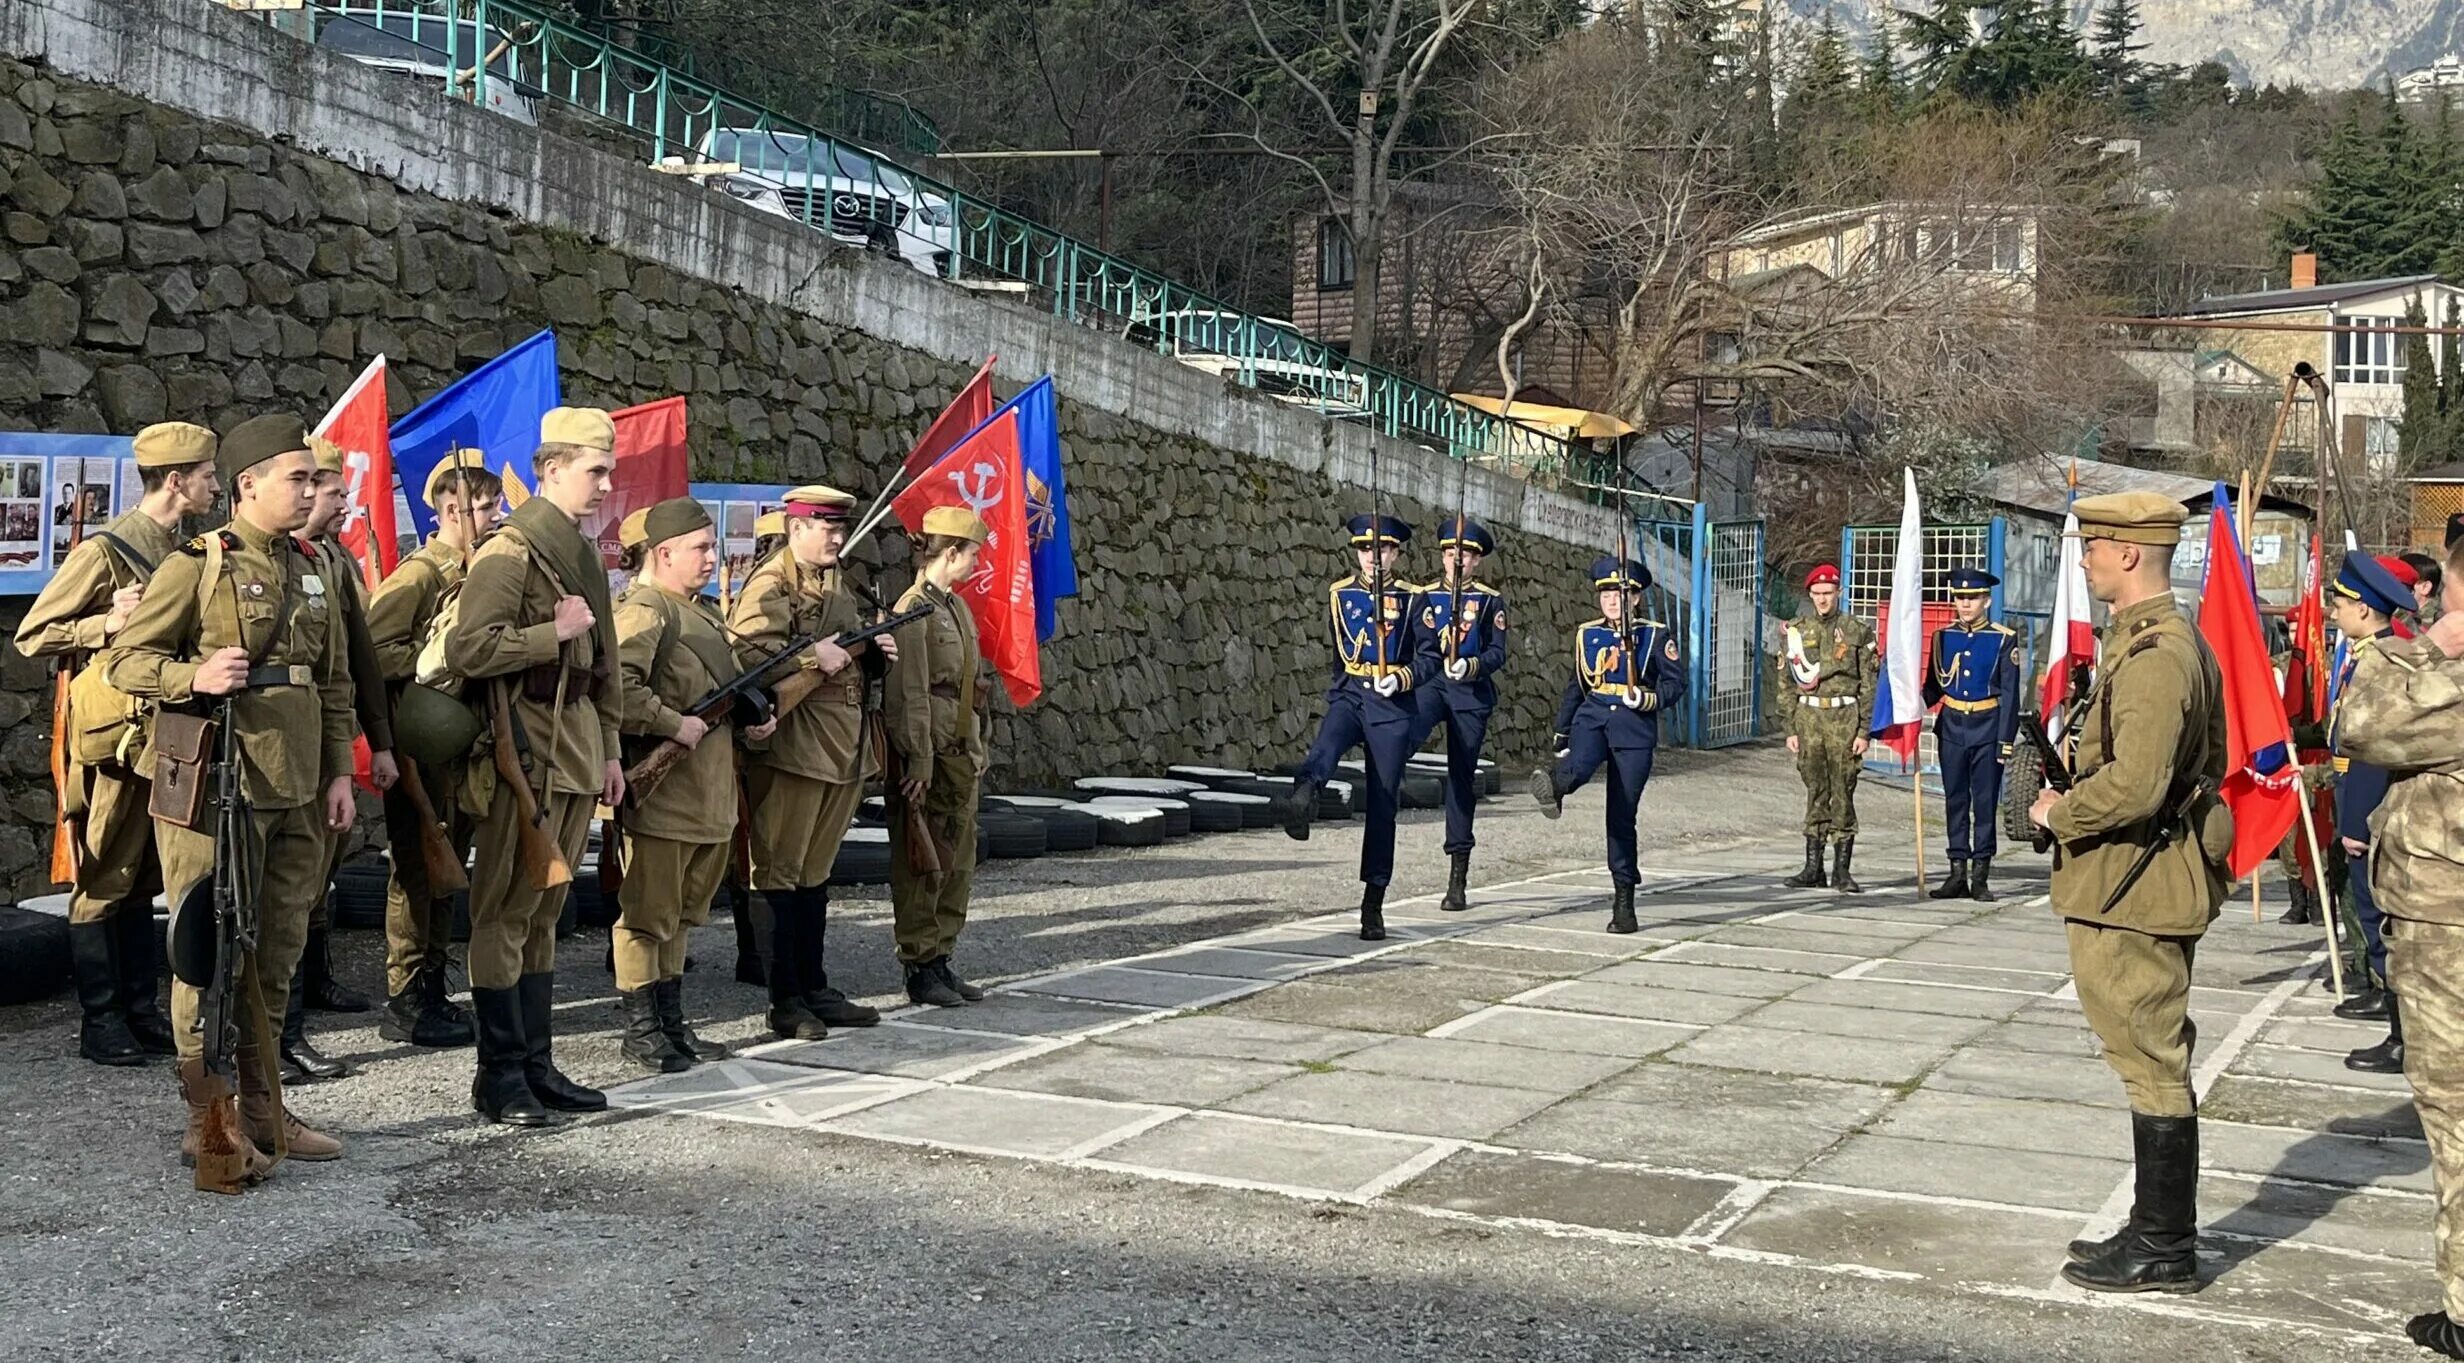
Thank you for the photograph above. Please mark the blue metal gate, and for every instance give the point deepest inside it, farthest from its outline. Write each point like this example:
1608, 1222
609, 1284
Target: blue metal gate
1707, 585
1867, 554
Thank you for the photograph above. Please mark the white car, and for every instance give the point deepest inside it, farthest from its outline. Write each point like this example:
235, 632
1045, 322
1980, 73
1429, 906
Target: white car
864, 199
1270, 356
433, 48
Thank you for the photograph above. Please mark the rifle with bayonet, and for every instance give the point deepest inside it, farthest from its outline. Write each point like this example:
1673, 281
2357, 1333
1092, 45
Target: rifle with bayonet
212, 928
2173, 820
927, 855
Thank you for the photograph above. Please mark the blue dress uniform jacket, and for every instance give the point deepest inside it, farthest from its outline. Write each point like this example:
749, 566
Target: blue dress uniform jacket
1598, 728
1474, 630
1974, 676
2360, 788
1370, 642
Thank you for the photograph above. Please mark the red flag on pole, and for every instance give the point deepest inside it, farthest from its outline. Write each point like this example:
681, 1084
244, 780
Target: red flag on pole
2305, 685
358, 430
983, 472
2262, 787
971, 408
652, 466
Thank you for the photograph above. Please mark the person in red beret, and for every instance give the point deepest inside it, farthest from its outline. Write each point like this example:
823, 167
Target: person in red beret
1833, 662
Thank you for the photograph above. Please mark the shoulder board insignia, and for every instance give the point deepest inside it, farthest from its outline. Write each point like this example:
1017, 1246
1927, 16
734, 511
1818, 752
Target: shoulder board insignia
1595, 620
1484, 587
1650, 624
197, 546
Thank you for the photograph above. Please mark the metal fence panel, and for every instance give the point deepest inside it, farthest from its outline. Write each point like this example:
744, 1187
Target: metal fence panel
1707, 587
1867, 556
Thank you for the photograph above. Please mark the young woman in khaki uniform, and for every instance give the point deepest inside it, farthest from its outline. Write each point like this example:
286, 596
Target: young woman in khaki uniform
938, 742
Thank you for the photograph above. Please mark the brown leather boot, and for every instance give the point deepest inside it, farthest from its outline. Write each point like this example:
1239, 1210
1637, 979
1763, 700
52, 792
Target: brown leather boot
225, 1159
269, 1123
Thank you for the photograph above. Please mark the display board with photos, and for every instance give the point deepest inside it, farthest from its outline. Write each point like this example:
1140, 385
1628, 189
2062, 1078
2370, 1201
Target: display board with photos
43, 480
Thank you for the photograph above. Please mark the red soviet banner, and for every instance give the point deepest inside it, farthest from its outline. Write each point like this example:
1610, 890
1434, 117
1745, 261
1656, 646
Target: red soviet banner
983, 473
652, 465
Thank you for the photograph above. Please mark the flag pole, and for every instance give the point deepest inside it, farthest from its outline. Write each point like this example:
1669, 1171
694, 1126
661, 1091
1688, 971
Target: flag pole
2318, 866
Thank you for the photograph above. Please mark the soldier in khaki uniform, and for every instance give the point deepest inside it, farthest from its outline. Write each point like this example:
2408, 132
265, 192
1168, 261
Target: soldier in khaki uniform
674, 650
2148, 763
535, 632
930, 711
803, 785
418, 920
114, 954
243, 612
1832, 660
2404, 711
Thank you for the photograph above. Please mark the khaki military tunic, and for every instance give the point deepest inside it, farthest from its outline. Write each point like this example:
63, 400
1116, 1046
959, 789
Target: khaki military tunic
2155, 725
294, 725
418, 921
929, 707
671, 648
1828, 718
803, 784
66, 622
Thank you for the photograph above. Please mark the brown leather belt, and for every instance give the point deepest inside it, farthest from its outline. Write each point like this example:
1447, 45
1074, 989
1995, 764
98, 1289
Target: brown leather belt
539, 684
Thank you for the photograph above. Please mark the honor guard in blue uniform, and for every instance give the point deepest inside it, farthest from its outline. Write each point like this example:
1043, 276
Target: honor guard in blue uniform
1974, 676
1381, 657
1465, 619
2362, 602
1626, 671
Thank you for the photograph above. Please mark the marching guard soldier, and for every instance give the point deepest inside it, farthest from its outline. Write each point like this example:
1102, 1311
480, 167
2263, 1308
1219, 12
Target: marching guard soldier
535, 633
2140, 842
467, 500
1466, 618
114, 954
1974, 676
1380, 655
674, 650
1626, 671
244, 612
2363, 603
1832, 659
804, 783
935, 732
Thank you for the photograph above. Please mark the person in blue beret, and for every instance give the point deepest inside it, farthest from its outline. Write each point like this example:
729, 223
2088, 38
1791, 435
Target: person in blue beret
1381, 657
1973, 674
1627, 670
1465, 618
2362, 603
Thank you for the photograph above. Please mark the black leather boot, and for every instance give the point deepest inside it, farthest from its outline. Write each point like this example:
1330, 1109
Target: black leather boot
1298, 808
1842, 853
2436, 1332
970, 992
752, 913
925, 986
303, 1063
790, 1020
1373, 913
2302, 912
669, 996
500, 1091
1980, 873
421, 1015
832, 1007
538, 996
1545, 793
646, 1042
102, 1026
1953, 886
2157, 1251
137, 950
1621, 911
2372, 1004
325, 993
1458, 892
1811, 877
2387, 1057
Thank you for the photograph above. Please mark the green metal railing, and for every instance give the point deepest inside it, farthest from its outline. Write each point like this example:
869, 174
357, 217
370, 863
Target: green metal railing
855, 195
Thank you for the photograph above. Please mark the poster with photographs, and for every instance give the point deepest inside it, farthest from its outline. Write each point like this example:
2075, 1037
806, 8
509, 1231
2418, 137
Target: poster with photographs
97, 481
21, 514
46, 483
733, 508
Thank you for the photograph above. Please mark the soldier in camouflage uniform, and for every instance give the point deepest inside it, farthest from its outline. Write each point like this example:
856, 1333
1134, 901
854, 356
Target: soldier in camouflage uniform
1832, 660
2404, 711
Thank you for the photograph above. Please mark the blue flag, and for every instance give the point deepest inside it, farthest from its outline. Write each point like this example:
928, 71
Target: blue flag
495, 408
1055, 560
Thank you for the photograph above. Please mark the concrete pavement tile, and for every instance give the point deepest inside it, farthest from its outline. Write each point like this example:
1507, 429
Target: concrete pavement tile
1812, 932
2329, 1034
2025, 1178
1407, 996
2024, 1074
1769, 1125
1735, 981
1023, 1014
1974, 977
750, 1090
1588, 1033
1282, 1043
2044, 1038
1585, 942
1383, 1102
2314, 1157
1515, 960
989, 1119
2053, 958
2008, 1123
1655, 1005
1831, 1019
1117, 1074
1516, 1185
2340, 1218
2308, 1107
1235, 962
1462, 1061
1290, 1157
1945, 1243
1871, 1060
1143, 985
1912, 998
1713, 952
2312, 1286
893, 1048
1300, 939
1931, 917
2312, 1067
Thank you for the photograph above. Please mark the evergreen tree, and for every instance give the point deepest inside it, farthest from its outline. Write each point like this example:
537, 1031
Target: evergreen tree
1824, 91
1879, 89
2118, 76
2421, 440
2409, 240
2451, 386
2349, 214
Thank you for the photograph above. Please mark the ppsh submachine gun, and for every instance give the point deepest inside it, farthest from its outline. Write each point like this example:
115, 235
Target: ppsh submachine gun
213, 929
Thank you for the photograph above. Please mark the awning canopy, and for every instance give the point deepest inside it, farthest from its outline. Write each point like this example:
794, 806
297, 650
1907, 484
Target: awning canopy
1572, 423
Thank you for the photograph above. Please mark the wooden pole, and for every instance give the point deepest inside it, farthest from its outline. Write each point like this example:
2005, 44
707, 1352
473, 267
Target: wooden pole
1916, 787
2327, 903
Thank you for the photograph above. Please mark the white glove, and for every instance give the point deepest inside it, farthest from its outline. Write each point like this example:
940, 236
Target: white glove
1633, 698
1387, 683
1460, 669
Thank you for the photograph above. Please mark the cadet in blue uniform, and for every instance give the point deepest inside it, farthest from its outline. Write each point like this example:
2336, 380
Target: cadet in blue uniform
1624, 676
2362, 603
1465, 620
1974, 675
1381, 656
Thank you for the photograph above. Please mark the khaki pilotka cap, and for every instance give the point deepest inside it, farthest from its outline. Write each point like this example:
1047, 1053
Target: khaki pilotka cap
631, 532
455, 461
173, 445
958, 521
769, 523
2131, 517
673, 517
589, 427
256, 440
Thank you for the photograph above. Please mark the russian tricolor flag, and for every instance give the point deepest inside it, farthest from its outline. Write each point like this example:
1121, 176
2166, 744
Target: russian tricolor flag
2074, 631
1899, 699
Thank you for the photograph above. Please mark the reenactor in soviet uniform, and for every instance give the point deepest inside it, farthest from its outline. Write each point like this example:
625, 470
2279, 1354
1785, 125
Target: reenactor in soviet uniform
804, 783
674, 650
2404, 712
936, 732
2140, 842
1466, 620
1381, 655
114, 954
535, 633
244, 612
2363, 603
1833, 661
313, 985
1974, 676
401, 617
1626, 671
